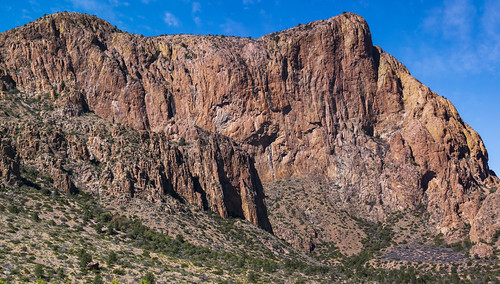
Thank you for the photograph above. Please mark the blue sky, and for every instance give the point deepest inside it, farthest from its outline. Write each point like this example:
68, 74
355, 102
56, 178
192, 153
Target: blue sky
451, 46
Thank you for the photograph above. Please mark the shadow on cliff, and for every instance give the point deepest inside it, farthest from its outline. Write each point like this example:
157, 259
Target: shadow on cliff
259, 200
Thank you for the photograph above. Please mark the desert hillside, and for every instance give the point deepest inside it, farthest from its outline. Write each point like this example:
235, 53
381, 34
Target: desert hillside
316, 143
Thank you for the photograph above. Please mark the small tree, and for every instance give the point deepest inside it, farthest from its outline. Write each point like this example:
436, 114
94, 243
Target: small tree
35, 217
60, 273
149, 278
84, 258
112, 258
13, 209
39, 271
98, 279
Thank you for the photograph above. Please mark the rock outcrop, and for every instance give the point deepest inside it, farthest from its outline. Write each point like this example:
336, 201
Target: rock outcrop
115, 161
9, 163
315, 100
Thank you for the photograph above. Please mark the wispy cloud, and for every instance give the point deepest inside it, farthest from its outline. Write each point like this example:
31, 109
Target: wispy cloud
195, 11
463, 39
103, 8
491, 17
490, 23
170, 19
196, 7
88, 5
248, 2
231, 27
452, 20
117, 3
197, 21
26, 15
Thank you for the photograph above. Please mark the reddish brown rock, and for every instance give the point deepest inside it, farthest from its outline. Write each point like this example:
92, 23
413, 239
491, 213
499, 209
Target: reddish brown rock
62, 181
315, 100
9, 163
486, 222
91, 266
481, 250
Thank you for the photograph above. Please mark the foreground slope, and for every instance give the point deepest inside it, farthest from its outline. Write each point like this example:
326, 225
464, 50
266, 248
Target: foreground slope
316, 100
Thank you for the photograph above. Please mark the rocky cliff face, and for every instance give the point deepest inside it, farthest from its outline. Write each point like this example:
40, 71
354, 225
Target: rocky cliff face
316, 100
86, 152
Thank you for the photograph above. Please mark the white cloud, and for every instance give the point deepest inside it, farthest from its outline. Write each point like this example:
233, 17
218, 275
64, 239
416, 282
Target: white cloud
196, 7
231, 27
462, 39
491, 18
457, 18
88, 5
195, 10
248, 2
26, 15
105, 9
170, 19
197, 21
452, 20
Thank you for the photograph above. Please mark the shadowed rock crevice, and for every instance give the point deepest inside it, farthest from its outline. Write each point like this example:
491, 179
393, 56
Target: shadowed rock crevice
260, 201
426, 178
199, 189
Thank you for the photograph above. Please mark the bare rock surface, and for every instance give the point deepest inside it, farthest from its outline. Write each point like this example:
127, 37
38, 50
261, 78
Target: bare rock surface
481, 250
318, 100
9, 162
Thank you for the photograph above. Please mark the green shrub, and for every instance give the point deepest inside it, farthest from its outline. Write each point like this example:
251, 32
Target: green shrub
118, 271
84, 258
112, 258
39, 271
98, 279
149, 278
252, 277
13, 209
35, 217
438, 240
60, 273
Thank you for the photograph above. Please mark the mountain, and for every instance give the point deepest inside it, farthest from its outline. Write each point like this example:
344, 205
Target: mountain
290, 131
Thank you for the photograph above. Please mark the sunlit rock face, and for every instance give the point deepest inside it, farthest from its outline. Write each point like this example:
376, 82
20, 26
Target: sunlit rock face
318, 100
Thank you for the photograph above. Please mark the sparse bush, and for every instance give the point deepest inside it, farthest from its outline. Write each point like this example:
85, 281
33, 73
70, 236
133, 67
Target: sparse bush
149, 278
118, 271
438, 240
35, 217
39, 271
60, 273
13, 209
112, 258
84, 258
98, 279
252, 277
179, 238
